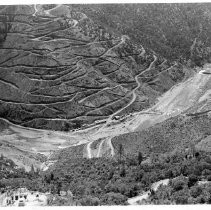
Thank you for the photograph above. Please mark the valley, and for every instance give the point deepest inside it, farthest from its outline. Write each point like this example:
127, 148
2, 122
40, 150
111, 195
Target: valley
103, 98
174, 102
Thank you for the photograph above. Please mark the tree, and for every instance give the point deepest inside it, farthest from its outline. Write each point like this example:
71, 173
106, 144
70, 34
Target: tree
52, 177
114, 199
140, 158
153, 158
139, 174
197, 155
178, 184
58, 186
38, 171
180, 197
131, 161
111, 174
2, 185
192, 148
123, 171
120, 151
2, 157
32, 169
192, 179
89, 201
47, 179
195, 191
209, 178
169, 173
77, 124
66, 127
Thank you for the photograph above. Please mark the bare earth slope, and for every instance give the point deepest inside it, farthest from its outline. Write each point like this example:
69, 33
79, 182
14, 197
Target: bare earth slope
179, 118
60, 70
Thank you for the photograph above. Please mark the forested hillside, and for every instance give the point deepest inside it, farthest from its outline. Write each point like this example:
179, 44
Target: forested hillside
175, 31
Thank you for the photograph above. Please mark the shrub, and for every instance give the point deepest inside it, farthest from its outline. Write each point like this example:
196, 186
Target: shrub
139, 175
114, 199
169, 173
192, 179
130, 161
206, 172
178, 184
180, 197
209, 178
89, 201
140, 158
163, 193
123, 172
195, 191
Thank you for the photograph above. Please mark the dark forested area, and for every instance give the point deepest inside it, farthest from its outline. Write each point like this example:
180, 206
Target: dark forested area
175, 31
101, 181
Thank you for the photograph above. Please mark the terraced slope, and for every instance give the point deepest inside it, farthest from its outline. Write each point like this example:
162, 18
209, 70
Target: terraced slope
60, 70
185, 119
180, 117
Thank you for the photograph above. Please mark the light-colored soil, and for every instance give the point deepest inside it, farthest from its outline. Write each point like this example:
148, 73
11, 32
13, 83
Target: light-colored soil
20, 140
175, 101
145, 195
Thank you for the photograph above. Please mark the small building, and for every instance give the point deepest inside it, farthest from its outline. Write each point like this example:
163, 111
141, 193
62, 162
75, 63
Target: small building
22, 197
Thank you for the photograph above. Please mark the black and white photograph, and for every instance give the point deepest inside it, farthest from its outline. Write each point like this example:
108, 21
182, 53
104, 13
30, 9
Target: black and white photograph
105, 104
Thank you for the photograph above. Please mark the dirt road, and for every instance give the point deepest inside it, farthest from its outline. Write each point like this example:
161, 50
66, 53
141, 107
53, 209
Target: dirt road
145, 195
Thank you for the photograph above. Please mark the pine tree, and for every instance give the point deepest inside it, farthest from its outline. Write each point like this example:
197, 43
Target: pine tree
58, 187
52, 177
111, 174
140, 158
120, 151
2, 157
123, 171
32, 169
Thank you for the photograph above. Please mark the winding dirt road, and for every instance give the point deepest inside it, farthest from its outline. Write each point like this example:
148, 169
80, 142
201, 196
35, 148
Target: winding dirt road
173, 102
35, 10
99, 149
145, 195
110, 119
133, 92
109, 144
89, 151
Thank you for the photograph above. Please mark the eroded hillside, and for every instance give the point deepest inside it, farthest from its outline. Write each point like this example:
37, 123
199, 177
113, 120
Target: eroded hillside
63, 68
180, 117
60, 70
